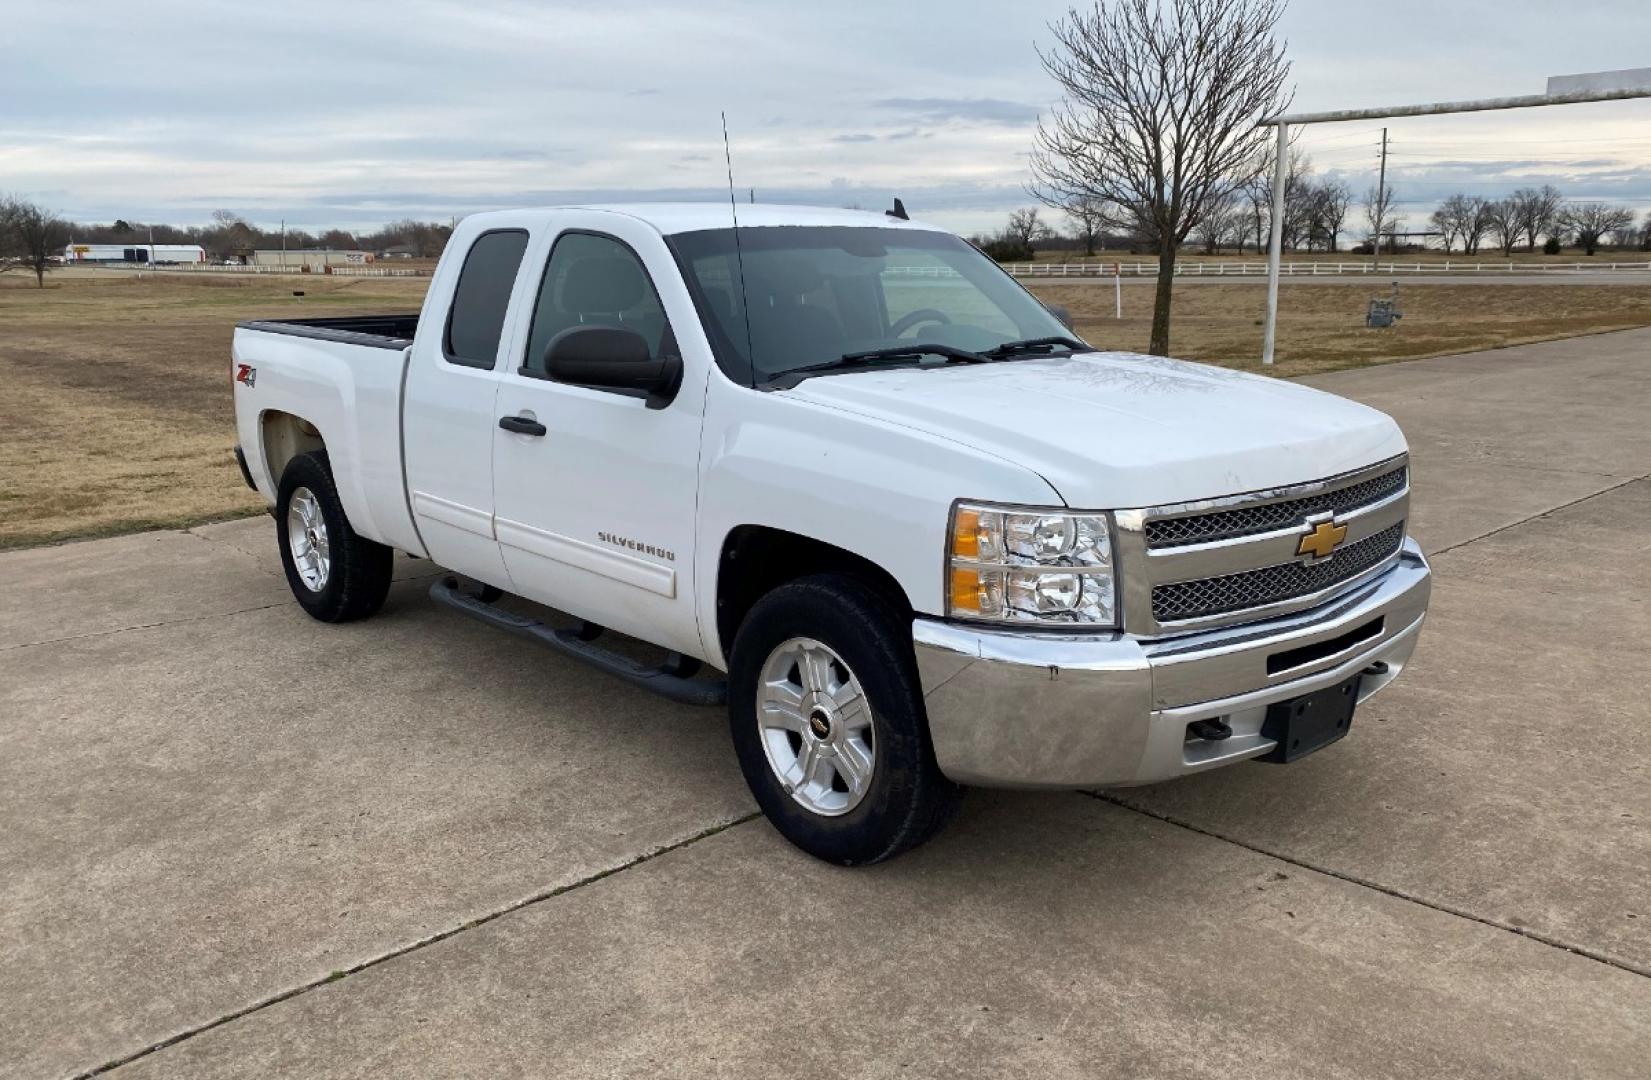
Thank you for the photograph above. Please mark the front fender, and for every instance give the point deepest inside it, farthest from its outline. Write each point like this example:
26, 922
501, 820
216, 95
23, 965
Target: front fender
878, 490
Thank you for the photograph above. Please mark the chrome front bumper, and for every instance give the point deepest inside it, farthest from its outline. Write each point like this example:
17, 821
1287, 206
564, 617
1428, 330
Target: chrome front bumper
1013, 709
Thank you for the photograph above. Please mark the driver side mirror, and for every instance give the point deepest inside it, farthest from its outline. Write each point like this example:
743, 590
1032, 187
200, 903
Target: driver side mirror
612, 358
1062, 314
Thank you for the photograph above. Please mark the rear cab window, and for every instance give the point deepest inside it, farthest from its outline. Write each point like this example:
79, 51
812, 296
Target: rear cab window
475, 322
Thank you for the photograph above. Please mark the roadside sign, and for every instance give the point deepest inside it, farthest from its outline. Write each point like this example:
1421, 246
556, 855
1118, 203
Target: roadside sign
1600, 82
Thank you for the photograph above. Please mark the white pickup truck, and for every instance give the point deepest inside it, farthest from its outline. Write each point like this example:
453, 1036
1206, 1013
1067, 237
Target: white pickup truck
931, 537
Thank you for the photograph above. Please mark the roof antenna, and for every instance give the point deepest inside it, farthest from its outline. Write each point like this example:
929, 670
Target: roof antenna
899, 211
739, 256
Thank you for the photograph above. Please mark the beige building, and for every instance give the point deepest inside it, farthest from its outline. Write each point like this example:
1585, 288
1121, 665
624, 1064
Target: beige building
313, 259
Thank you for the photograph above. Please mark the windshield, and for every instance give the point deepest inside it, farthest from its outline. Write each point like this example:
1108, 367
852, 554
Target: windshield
818, 293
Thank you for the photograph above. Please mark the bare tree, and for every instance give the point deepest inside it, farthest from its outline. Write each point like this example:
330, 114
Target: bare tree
1330, 202
1378, 213
1463, 217
1503, 216
1538, 211
31, 237
1025, 229
1299, 193
1443, 220
1590, 222
338, 240
1226, 223
1089, 220
1625, 235
1158, 113
1255, 187
1476, 222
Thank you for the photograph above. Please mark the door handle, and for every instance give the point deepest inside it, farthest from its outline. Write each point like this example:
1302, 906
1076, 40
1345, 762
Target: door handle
521, 425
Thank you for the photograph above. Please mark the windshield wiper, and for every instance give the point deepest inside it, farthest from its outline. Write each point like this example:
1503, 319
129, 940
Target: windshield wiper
1033, 345
918, 351
875, 357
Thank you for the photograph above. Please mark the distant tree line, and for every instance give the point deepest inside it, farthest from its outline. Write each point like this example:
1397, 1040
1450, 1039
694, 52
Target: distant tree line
1316, 218
32, 238
230, 236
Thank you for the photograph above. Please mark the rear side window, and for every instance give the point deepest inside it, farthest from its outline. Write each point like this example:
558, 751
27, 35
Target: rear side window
483, 294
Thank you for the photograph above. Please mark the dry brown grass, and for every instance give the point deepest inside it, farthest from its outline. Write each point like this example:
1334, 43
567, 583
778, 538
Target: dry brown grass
115, 409
115, 401
1321, 327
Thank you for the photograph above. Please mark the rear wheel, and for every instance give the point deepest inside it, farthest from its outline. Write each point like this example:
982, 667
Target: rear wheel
335, 574
827, 718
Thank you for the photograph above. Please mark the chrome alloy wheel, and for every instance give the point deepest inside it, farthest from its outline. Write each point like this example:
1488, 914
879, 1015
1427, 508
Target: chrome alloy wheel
815, 724
307, 539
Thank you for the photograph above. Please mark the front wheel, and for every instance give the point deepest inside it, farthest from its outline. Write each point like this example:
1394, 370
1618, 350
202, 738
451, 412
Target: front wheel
827, 718
335, 574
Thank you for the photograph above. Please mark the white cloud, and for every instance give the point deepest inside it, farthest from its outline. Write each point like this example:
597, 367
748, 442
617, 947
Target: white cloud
352, 113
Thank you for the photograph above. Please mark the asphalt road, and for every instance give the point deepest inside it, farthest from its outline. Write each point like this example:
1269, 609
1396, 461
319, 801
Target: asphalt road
238, 842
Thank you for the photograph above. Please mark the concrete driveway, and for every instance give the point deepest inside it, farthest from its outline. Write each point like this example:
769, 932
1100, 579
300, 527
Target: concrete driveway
237, 842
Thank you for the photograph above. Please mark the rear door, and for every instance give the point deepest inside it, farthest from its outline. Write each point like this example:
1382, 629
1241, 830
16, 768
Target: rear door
448, 417
596, 516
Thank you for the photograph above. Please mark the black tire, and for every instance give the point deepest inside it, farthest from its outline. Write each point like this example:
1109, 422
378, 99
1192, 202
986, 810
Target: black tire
358, 578
908, 798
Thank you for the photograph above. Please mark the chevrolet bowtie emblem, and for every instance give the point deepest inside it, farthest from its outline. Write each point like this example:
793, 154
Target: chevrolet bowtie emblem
1324, 538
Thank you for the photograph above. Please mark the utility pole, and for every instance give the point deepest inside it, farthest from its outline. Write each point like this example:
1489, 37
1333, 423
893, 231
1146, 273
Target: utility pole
151, 247
1381, 205
283, 243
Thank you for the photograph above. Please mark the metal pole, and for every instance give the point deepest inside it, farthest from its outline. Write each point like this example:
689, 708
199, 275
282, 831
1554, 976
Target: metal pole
1276, 243
1118, 287
1440, 108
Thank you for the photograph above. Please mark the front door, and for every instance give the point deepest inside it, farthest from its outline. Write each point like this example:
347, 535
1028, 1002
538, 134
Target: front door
595, 516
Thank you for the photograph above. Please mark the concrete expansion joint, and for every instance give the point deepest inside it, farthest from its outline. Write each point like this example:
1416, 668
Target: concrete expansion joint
261, 564
171, 622
1552, 510
1376, 886
142, 626
414, 946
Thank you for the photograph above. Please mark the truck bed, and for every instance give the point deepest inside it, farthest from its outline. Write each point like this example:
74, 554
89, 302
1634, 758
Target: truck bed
373, 331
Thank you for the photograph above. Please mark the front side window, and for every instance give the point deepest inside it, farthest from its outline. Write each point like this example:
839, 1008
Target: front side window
815, 293
482, 297
593, 280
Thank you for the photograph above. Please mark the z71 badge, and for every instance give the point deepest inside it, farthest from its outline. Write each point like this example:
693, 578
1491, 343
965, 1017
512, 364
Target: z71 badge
246, 373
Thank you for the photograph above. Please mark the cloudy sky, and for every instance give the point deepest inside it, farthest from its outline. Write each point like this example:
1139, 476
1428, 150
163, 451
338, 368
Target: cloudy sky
353, 112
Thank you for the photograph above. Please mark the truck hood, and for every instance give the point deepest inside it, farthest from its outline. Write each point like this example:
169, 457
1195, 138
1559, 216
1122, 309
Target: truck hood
1116, 430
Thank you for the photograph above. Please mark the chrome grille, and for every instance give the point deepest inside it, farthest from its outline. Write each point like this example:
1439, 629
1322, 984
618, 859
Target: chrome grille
1272, 584
1252, 520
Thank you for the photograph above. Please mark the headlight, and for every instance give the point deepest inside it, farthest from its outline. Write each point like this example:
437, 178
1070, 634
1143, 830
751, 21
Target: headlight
1013, 564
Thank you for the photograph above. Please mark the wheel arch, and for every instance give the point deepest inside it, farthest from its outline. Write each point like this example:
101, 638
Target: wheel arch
756, 559
282, 436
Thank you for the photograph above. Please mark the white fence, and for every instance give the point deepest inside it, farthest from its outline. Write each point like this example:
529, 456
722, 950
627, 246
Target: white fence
1305, 268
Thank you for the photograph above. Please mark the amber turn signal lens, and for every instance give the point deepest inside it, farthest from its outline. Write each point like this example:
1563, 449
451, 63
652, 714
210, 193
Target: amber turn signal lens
966, 591
966, 535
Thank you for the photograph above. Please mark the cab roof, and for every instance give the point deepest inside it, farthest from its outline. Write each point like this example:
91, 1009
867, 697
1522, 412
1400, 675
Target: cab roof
671, 218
